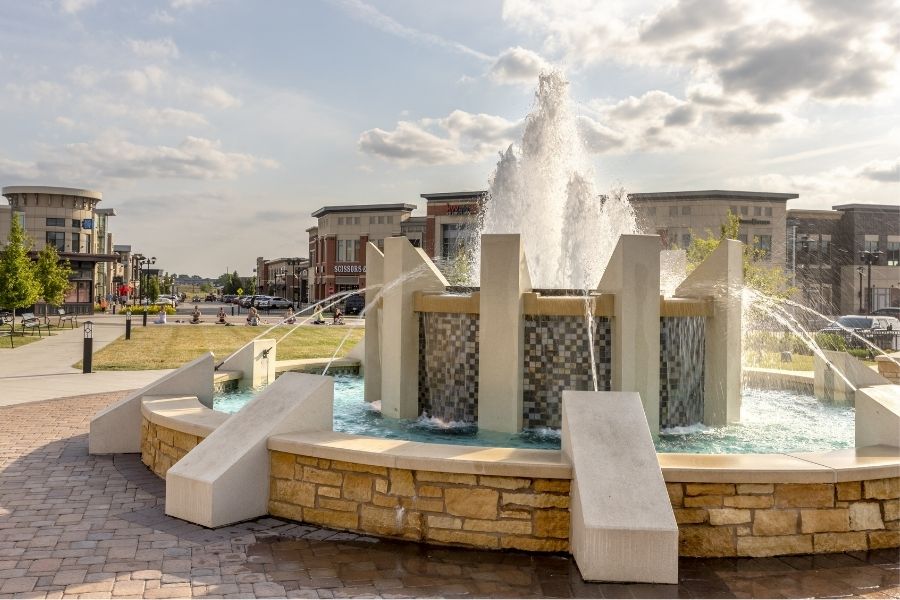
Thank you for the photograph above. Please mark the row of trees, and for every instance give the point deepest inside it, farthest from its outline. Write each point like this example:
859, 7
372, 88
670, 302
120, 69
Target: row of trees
23, 281
231, 283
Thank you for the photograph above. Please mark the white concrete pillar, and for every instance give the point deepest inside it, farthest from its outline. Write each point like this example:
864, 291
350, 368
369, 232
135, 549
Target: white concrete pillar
256, 360
372, 360
837, 380
632, 274
504, 278
721, 276
407, 270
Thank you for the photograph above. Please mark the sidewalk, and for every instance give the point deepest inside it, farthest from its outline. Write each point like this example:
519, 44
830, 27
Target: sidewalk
43, 370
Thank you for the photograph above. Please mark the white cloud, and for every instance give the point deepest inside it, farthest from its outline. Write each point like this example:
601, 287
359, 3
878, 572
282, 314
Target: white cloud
217, 97
887, 171
142, 81
159, 49
73, 6
517, 65
187, 4
15, 169
162, 16
36, 92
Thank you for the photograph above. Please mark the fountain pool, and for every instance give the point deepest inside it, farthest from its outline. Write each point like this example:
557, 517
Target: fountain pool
814, 426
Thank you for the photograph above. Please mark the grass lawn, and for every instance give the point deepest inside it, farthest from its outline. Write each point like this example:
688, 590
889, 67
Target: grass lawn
171, 346
772, 360
19, 340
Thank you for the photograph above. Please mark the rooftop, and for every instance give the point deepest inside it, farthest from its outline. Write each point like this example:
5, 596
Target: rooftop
444, 196
715, 195
872, 207
46, 189
351, 208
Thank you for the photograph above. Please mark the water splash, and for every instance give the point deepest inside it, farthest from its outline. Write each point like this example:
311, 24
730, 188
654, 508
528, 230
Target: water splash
543, 189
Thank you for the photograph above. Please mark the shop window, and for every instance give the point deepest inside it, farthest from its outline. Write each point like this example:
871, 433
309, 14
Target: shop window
764, 245
57, 239
76, 242
870, 246
893, 254
54, 222
76, 224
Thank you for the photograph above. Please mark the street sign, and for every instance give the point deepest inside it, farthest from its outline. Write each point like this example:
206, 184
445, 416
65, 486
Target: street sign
240, 291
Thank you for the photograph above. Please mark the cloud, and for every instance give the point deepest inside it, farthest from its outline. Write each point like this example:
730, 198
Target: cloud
217, 97
517, 65
687, 18
598, 138
36, 92
887, 171
187, 4
16, 169
159, 49
142, 81
70, 7
409, 143
162, 16
748, 120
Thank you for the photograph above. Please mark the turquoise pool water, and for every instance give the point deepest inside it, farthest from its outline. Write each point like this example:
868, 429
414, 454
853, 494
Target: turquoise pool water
771, 421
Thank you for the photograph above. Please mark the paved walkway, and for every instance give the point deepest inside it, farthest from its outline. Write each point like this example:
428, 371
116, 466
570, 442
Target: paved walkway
43, 370
80, 526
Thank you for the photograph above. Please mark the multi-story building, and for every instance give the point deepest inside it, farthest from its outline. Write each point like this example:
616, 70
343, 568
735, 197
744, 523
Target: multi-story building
285, 277
452, 220
337, 243
68, 219
830, 252
677, 217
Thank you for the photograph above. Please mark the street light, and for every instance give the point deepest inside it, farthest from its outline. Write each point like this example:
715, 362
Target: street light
869, 258
293, 262
145, 274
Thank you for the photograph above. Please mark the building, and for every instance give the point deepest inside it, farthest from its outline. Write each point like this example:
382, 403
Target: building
831, 251
337, 243
679, 216
68, 219
451, 221
285, 277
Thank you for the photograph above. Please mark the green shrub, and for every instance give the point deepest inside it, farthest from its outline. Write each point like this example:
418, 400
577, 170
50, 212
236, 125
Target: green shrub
861, 353
831, 341
153, 309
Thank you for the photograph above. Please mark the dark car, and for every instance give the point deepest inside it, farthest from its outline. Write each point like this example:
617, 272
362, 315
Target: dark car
888, 311
354, 304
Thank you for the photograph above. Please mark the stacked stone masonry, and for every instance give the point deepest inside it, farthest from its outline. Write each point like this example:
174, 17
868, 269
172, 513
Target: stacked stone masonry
444, 508
162, 447
766, 519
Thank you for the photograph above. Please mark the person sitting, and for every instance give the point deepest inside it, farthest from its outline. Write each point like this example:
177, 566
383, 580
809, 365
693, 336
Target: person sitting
195, 315
253, 316
221, 316
290, 319
337, 317
317, 317
161, 317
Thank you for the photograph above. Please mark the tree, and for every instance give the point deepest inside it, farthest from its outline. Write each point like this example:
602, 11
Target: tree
52, 275
153, 289
249, 285
770, 281
18, 286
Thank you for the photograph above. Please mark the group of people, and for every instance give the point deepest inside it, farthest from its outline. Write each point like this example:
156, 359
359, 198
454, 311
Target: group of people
252, 317
195, 316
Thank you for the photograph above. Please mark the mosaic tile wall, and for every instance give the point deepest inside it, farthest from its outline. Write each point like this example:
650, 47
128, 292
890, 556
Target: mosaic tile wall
558, 357
682, 352
448, 366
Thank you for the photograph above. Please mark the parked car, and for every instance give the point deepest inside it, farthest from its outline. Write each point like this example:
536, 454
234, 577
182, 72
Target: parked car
164, 301
244, 301
881, 330
210, 298
279, 302
171, 298
889, 311
354, 304
261, 301
229, 298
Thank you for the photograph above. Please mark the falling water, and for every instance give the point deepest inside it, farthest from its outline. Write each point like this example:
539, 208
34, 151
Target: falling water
544, 190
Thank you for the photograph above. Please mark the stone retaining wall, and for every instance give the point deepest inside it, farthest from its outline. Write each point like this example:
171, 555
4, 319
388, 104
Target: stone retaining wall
444, 508
162, 447
766, 519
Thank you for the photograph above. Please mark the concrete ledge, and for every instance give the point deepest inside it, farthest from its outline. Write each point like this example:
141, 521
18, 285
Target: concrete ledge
601, 305
447, 458
878, 415
184, 414
447, 303
622, 524
685, 307
778, 379
315, 365
222, 376
856, 464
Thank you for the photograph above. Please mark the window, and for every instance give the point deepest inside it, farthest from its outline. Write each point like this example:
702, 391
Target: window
356, 220
768, 211
733, 210
381, 220
764, 245
685, 240
893, 254
87, 244
76, 241
52, 222
742, 237
76, 224
685, 210
390, 220
340, 220
57, 239
673, 211
757, 211
454, 237
371, 220
380, 244
744, 211
347, 250
651, 210
870, 246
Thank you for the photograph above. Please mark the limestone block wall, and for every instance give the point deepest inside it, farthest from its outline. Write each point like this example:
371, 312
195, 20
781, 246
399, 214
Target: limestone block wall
444, 508
772, 519
162, 447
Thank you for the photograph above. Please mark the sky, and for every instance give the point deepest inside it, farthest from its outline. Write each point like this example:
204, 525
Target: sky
215, 127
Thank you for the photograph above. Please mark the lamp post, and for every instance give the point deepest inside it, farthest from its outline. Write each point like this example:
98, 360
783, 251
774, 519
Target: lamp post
869, 258
293, 262
88, 351
145, 275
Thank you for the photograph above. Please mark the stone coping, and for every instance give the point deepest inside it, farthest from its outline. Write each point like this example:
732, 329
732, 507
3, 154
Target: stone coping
182, 413
315, 364
220, 376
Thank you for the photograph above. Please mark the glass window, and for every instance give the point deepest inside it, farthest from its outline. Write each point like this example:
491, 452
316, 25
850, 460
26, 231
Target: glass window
52, 222
454, 237
371, 220
673, 211
57, 239
76, 242
733, 210
685, 240
768, 211
390, 220
381, 220
87, 244
651, 210
870, 246
340, 220
745, 211
356, 220
76, 223
757, 211
685, 210
893, 254
764, 244
742, 237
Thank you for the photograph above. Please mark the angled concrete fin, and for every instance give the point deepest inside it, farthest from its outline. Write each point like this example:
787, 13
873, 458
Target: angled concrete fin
256, 360
718, 274
371, 363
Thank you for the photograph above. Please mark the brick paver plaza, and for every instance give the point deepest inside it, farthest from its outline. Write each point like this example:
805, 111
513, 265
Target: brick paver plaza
73, 525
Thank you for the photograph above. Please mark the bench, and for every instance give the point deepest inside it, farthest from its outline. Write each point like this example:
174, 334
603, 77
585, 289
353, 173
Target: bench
29, 321
64, 316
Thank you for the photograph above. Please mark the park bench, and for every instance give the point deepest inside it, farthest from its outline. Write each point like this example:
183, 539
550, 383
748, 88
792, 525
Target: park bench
8, 327
29, 321
64, 316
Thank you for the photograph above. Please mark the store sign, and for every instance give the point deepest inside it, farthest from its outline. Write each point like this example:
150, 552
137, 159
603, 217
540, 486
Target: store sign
344, 268
87, 223
754, 222
461, 209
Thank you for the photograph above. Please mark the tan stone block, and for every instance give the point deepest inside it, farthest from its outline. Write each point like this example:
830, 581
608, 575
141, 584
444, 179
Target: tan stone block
285, 510
523, 527
828, 519
323, 463
530, 544
331, 518
413, 520
440, 522
865, 516
759, 501
381, 486
840, 542
687, 516
433, 476
358, 486
184, 441
165, 435
778, 545
430, 491
425, 504
382, 521
295, 492
849, 490
676, 494
560, 486
402, 483
891, 509
743, 530
755, 488
282, 465
385, 501
329, 492
314, 475
841, 504
728, 516
475, 503
551, 523
515, 514
882, 489
340, 465
465, 538
504, 483
702, 501
336, 504
536, 500
702, 540
884, 539
893, 525
709, 489
775, 522
804, 495
307, 460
